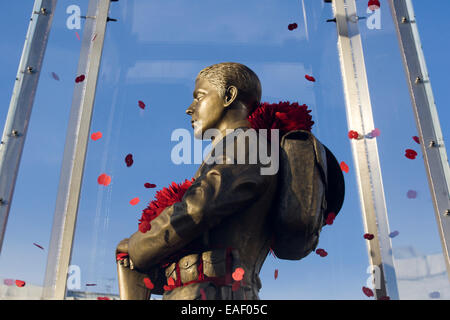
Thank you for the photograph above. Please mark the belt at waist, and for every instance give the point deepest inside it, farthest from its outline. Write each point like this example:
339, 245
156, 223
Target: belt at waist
214, 266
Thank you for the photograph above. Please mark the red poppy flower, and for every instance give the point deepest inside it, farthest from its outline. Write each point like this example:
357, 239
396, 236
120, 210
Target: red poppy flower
141, 104
416, 139
96, 135
330, 218
368, 236
144, 226
352, 134
134, 201
292, 26
80, 78
284, 116
129, 160
275, 275
310, 78
344, 167
238, 274
321, 252
20, 283
104, 179
411, 194
367, 291
149, 185
410, 154
374, 5
121, 256
148, 283
163, 199
171, 282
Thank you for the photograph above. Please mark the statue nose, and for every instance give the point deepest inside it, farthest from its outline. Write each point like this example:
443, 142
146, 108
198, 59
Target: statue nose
189, 111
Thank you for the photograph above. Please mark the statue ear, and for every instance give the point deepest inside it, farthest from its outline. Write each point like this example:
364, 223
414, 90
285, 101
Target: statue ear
230, 95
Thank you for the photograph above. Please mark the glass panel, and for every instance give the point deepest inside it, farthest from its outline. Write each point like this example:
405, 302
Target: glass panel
153, 54
419, 262
24, 252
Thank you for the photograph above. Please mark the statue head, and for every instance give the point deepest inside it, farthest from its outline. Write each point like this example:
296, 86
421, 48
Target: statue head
224, 95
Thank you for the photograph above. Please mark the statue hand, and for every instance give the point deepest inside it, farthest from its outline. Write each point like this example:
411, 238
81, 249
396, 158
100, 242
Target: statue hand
122, 247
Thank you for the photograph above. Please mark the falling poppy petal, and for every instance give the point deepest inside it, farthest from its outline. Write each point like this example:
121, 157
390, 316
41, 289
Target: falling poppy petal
104, 179
39, 246
8, 282
292, 26
103, 298
410, 154
20, 283
416, 139
321, 252
374, 5
411, 194
367, 291
385, 298
148, 283
55, 76
141, 104
344, 167
393, 234
121, 256
368, 236
238, 274
134, 201
310, 78
78, 36
275, 275
80, 78
330, 218
129, 160
375, 133
96, 135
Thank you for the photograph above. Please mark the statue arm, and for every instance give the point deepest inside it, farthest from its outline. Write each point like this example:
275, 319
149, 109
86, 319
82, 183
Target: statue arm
219, 192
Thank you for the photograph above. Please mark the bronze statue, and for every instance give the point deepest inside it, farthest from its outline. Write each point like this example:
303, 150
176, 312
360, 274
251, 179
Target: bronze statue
232, 215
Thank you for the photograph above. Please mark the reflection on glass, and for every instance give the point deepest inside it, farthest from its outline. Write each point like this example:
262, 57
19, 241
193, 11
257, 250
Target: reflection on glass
25, 247
419, 262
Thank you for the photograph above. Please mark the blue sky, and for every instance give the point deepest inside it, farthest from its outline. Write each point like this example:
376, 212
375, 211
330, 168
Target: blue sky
153, 54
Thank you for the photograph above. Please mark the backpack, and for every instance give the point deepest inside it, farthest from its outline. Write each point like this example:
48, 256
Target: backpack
310, 187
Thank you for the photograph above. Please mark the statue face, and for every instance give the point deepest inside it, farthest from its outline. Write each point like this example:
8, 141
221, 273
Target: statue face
207, 108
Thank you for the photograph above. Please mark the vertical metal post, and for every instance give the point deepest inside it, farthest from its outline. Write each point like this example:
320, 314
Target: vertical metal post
19, 113
365, 151
75, 149
427, 120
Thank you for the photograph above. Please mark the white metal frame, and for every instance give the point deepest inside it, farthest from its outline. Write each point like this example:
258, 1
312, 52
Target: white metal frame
75, 150
19, 113
427, 119
365, 151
